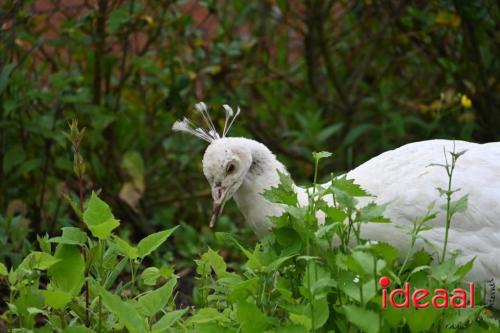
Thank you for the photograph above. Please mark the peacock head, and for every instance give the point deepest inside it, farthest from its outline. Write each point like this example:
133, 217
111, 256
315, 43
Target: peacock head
226, 160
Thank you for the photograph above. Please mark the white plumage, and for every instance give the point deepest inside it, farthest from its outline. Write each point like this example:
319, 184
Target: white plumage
243, 169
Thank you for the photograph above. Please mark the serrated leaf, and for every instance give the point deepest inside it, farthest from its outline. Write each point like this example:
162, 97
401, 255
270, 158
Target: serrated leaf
373, 213
421, 320
348, 186
284, 193
251, 318
333, 213
153, 241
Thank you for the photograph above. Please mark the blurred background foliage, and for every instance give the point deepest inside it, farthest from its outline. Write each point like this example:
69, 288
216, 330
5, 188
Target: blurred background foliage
353, 77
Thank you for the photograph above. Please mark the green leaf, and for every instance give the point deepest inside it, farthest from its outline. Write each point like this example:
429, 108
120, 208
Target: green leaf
366, 320
153, 241
56, 299
117, 19
373, 213
284, 193
77, 329
70, 236
150, 275
3, 270
321, 154
168, 320
155, 300
421, 320
208, 315
250, 318
321, 312
458, 206
333, 213
125, 312
130, 251
98, 218
215, 261
348, 186
68, 274
5, 76
13, 157
38, 260
386, 251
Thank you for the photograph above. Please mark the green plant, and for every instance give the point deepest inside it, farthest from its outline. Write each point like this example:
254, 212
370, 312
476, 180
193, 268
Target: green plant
309, 276
46, 289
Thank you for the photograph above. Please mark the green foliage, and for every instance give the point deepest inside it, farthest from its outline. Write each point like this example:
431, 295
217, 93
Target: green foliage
89, 265
367, 76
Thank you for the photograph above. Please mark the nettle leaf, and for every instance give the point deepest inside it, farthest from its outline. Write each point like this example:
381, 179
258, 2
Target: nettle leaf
70, 236
99, 218
152, 302
215, 261
284, 193
373, 213
125, 312
68, 274
333, 213
250, 318
153, 241
421, 320
348, 186
130, 251
56, 299
168, 320
38, 260
366, 320
386, 251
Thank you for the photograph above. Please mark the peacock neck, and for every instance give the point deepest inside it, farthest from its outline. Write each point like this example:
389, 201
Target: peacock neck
262, 175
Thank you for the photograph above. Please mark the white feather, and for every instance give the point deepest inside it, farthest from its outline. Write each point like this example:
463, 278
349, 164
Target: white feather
404, 179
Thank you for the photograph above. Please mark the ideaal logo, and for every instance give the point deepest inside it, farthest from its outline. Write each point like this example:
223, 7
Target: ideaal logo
422, 298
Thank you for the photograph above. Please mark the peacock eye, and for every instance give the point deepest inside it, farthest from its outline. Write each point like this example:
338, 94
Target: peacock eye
230, 168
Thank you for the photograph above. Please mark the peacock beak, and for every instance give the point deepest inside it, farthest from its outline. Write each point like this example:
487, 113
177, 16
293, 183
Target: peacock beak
219, 198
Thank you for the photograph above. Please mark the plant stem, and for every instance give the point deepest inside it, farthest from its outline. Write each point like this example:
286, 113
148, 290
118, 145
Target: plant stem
449, 171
